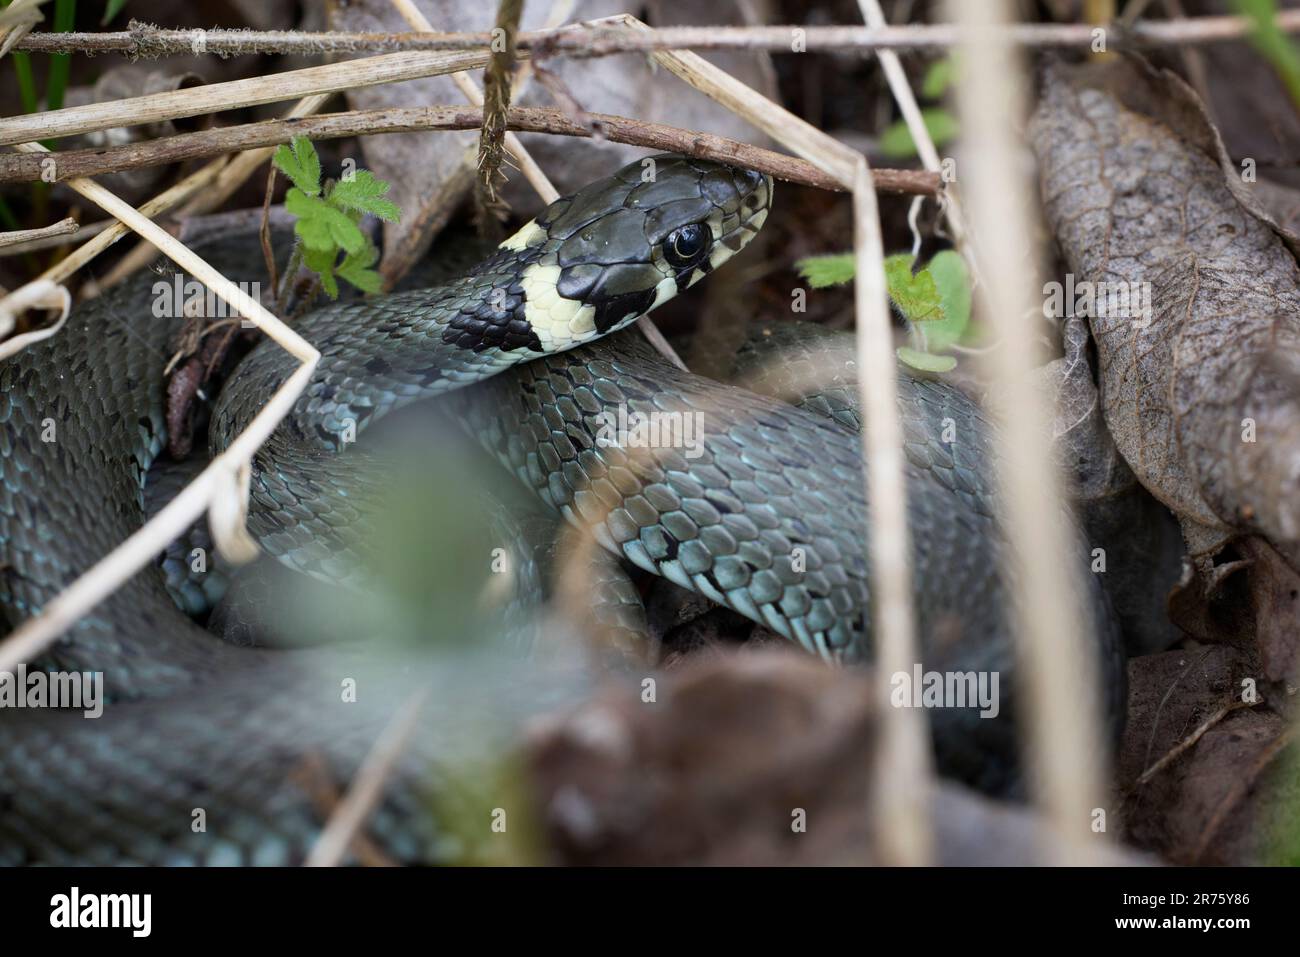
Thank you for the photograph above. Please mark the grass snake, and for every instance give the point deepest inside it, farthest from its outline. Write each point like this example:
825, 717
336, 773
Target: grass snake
209, 752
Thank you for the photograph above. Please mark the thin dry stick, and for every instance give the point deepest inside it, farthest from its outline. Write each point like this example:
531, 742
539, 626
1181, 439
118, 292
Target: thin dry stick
901, 828
901, 795
902, 91
83, 232
64, 227
581, 41
216, 489
217, 97
58, 166
368, 786
1061, 716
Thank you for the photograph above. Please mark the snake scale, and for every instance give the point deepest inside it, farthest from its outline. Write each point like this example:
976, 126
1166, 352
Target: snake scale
209, 752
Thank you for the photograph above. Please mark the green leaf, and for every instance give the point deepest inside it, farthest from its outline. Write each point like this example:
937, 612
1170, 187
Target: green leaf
111, 9
320, 225
925, 361
896, 142
938, 77
299, 162
363, 193
952, 281
916, 297
823, 271
321, 262
355, 268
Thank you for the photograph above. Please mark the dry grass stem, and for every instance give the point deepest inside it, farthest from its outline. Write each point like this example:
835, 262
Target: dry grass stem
1061, 717
901, 779
218, 97
901, 814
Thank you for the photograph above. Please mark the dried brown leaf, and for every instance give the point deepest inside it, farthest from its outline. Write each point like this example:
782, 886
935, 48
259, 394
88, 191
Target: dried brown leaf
1203, 400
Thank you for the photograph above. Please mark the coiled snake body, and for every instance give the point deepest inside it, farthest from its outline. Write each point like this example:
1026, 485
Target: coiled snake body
201, 731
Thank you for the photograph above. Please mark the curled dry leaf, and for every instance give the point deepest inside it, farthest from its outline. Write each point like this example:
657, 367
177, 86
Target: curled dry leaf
1202, 392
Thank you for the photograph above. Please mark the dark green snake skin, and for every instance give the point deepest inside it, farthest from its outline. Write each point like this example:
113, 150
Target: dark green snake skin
258, 742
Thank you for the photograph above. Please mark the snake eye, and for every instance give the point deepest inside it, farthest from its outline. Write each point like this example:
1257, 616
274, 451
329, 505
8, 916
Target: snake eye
685, 246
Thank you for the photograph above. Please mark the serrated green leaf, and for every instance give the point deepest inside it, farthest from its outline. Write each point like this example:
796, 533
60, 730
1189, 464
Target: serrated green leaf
299, 162
311, 226
916, 297
346, 233
320, 225
938, 77
364, 193
896, 142
925, 361
823, 271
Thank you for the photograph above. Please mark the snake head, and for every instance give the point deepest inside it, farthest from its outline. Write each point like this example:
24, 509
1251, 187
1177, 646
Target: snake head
595, 261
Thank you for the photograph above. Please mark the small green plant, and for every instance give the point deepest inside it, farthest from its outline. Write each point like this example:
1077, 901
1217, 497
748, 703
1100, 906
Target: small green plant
935, 301
896, 142
327, 217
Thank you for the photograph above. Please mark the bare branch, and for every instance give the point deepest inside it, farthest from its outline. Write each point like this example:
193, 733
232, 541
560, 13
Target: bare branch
63, 227
146, 41
16, 167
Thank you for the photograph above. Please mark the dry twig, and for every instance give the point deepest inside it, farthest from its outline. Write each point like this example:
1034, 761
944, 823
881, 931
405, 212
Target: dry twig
23, 237
69, 164
598, 39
